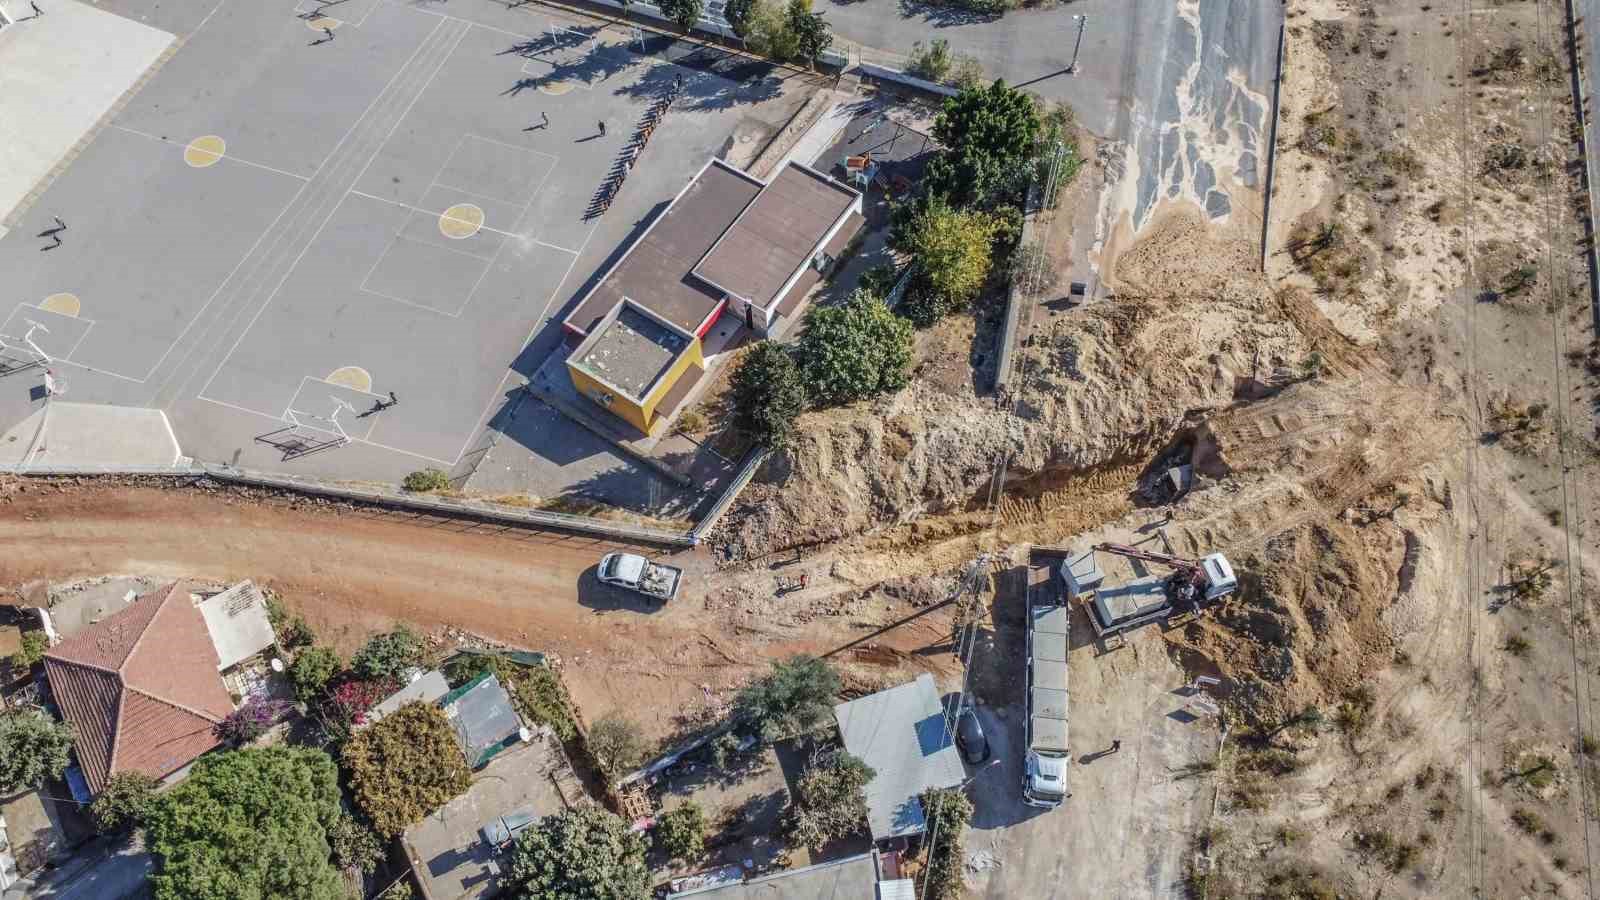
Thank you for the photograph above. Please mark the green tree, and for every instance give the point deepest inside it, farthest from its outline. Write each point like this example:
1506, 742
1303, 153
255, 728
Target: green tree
34, 644
355, 846
737, 12
830, 800
954, 252
767, 31
33, 749
681, 832
292, 630
796, 697
855, 350
947, 811
685, 13
123, 803
617, 744
405, 766
311, 671
389, 654
585, 852
996, 120
810, 30
768, 394
248, 824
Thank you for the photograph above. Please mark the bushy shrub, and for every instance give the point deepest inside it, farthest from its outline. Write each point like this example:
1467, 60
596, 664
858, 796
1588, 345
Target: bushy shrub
251, 720
405, 766
426, 480
388, 655
681, 832
311, 671
853, 351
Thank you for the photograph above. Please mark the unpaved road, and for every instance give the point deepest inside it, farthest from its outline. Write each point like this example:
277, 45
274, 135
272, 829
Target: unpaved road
351, 572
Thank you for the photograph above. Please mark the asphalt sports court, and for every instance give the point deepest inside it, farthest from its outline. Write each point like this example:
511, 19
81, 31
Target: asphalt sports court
423, 268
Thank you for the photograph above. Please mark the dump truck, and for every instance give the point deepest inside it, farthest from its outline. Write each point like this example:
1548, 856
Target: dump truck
1045, 761
657, 581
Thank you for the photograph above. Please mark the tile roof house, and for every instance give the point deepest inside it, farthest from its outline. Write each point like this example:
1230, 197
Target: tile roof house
141, 687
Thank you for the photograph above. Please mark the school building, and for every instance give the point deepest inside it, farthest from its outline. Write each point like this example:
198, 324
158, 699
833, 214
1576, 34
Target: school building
728, 244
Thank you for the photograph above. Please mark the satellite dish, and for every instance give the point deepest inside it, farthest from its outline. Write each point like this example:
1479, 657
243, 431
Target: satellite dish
277, 665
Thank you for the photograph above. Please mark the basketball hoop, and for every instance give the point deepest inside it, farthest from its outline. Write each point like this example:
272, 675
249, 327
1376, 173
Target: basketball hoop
53, 386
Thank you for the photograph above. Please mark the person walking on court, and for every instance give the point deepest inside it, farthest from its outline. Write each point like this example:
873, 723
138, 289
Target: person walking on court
1116, 746
602, 127
37, 12
327, 31
60, 225
544, 119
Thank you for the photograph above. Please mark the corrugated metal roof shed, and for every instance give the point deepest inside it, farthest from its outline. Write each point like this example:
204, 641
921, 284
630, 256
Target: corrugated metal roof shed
900, 733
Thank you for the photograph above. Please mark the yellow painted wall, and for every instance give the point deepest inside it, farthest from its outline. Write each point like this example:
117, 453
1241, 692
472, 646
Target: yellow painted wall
640, 415
691, 355
620, 406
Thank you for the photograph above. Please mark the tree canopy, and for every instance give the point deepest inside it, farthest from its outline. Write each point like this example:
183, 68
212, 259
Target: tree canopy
33, 748
995, 120
617, 743
855, 350
311, 671
584, 852
248, 825
405, 766
947, 811
123, 803
684, 13
768, 394
810, 30
954, 249
681, 831
389, 654
830, 800
794, 698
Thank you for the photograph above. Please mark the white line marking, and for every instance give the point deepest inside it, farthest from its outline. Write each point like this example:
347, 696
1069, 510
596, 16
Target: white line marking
370, 443
225, 155
411, 303
318, 234
553, 158
461, 190
343, 387
331, 154
74, 351
436, 215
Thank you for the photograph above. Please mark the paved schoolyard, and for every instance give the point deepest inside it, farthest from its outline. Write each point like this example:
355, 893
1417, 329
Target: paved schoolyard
280, 227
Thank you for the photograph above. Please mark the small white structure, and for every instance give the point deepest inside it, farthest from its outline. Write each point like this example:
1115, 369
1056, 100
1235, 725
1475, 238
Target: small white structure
238, 623
426, 687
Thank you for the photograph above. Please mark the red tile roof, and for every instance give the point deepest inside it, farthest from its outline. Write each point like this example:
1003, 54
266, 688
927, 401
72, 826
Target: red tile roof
140, 687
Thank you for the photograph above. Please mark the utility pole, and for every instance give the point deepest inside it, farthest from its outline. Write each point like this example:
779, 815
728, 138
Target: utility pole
1082, 21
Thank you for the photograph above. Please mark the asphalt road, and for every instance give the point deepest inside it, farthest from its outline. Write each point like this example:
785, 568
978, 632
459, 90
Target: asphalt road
1187, 84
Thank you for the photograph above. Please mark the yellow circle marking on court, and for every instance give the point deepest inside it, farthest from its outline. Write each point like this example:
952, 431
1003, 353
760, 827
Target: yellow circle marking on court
461, 221
353, 377
557, 87
205, 151
65, 304
317, 23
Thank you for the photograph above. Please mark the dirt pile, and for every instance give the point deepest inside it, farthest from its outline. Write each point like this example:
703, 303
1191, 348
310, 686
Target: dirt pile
1097, 385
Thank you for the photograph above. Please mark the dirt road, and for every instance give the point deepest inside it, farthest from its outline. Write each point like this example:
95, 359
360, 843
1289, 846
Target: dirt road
350, 572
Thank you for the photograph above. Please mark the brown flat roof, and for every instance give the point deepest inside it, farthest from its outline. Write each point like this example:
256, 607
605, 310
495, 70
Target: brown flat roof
630, 352
655, 271
776, 234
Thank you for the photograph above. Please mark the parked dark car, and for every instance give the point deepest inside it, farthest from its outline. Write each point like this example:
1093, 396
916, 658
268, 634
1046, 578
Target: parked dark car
969, 737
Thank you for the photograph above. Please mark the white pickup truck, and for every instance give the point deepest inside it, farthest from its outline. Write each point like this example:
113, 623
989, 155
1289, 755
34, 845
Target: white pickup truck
634, 572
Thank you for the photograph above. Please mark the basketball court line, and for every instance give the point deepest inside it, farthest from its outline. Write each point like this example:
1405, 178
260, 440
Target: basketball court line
292, 201
439, 215
323, 6
539, 323
225, 155
334, 384
42, 313
317, 235
371, 443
